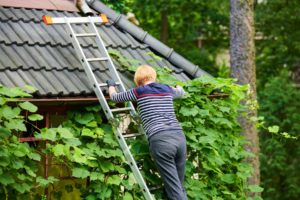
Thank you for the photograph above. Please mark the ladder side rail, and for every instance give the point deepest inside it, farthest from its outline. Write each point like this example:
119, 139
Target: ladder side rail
112, 68
87, 68
131, 162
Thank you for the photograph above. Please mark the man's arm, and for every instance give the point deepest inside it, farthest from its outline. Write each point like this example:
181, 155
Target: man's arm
128, 95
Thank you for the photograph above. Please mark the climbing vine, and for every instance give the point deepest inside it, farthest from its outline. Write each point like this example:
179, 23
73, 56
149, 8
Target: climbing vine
18, 168
85, 143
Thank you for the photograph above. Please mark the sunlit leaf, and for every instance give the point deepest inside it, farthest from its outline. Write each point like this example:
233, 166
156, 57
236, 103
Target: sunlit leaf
28, 106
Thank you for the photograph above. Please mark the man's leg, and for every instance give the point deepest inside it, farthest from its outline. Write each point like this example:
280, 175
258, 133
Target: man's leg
180, 160
164, 150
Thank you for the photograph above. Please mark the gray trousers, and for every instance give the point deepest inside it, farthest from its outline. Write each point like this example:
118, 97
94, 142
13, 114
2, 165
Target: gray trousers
168, 148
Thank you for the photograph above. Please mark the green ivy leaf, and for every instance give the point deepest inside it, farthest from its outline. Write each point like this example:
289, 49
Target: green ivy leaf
65, 133
99, 132
72, 141
79, 156
6, 179
22, 187
35, 117
21, 151
255, 188
2, 101
106, 166
29, 171
58, 150
13, 92
84, 118
80, 172
49, 134
4, 133
34, 156
228, 178
9, 112
92, 124
224, 109
209, 139
15, 124
186, 111
273, 129
97, 176
128, 196
114, 180
131, 179
88, 133
28, 106
17, 164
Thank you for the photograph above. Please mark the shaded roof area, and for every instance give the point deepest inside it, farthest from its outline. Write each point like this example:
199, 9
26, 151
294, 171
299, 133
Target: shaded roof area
42, 56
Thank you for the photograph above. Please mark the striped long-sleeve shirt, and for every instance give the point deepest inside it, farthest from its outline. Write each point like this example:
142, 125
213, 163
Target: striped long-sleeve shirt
155, 106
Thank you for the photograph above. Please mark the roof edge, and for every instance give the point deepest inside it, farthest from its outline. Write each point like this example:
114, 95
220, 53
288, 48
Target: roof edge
143, 36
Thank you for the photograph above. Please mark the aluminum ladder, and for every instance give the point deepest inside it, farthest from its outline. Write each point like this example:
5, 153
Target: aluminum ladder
97, 86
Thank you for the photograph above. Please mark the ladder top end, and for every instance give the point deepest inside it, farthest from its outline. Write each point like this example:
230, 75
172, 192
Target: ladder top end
104, 18
47, 19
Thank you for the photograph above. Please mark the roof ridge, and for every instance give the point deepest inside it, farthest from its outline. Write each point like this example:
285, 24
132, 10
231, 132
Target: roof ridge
141, 35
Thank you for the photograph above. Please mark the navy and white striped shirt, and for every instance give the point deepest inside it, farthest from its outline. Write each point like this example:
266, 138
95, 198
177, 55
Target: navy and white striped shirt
155, 106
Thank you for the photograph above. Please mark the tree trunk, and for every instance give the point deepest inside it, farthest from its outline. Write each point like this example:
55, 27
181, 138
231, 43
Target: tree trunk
164, 28
242, 61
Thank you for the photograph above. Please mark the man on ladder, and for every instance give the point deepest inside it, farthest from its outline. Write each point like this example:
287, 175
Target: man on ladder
166, 139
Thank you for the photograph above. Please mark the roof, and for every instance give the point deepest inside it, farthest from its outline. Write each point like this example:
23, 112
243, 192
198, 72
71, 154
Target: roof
32, 53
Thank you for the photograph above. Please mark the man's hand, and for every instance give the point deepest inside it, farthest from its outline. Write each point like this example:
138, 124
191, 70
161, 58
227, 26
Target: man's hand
111, 87
111, 83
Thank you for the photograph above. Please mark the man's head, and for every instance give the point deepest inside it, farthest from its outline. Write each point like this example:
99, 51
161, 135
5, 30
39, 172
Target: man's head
144, 74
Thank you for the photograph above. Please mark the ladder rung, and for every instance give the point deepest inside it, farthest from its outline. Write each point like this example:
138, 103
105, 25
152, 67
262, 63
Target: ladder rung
121, 109
105, 84
85, 34
132, 135
96, 59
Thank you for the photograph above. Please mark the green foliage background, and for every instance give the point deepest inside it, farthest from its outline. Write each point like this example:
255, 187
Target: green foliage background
280, 105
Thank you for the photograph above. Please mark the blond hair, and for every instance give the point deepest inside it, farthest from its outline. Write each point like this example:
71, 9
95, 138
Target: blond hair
143, 74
